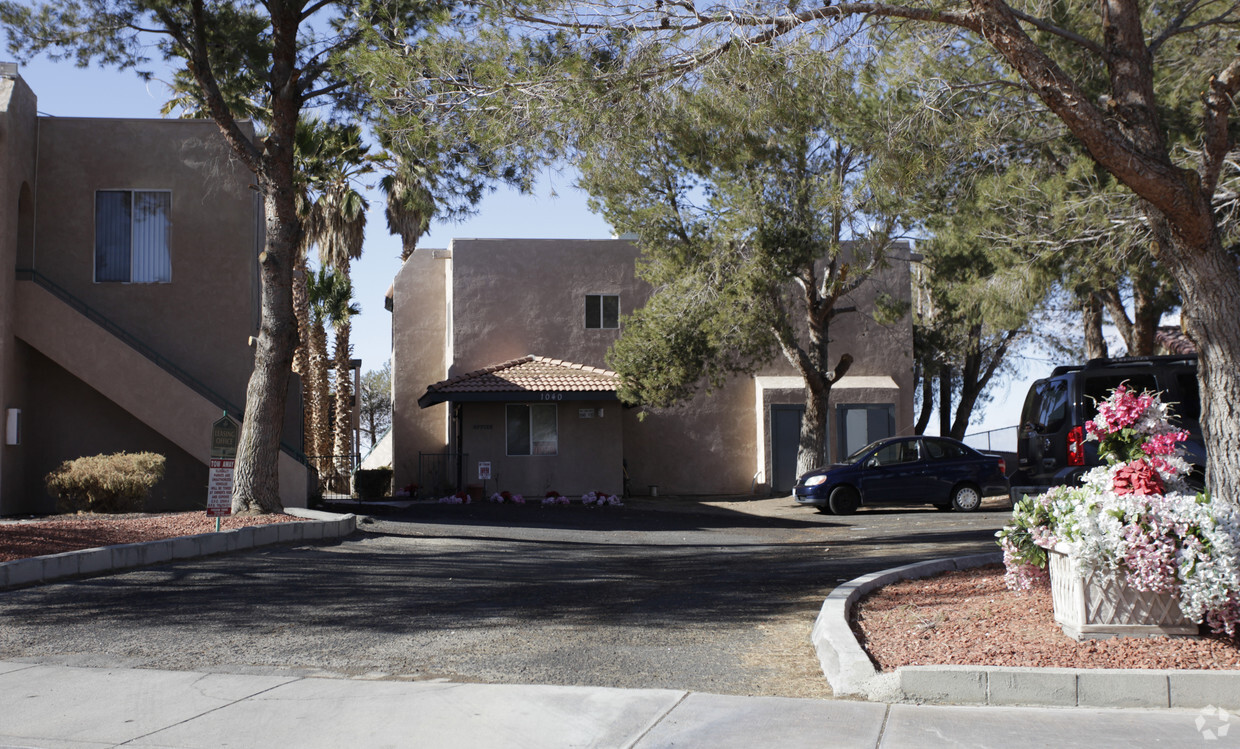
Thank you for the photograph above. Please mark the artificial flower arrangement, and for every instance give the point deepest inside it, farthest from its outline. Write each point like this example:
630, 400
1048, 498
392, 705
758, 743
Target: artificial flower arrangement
460, 498
601, 499
507, 496
555, 498
1135, 517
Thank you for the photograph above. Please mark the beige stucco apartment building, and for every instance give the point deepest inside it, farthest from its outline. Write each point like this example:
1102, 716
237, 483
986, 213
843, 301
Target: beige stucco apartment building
499, 356
128, 295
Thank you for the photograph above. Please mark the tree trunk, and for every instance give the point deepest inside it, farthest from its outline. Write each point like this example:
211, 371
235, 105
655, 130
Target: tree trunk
320, 423
1091, 319
945, 400
343, 432
256, 481
812, 449
1119, 316
301, 355
1147, 312
1210, 287
927, 401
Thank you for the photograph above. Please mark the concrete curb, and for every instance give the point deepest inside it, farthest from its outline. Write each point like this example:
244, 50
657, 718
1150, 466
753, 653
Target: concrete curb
851, 673
52, 567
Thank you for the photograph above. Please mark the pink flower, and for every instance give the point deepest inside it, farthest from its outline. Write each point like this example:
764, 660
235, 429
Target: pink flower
1120, 410
1226, 617
1163, 444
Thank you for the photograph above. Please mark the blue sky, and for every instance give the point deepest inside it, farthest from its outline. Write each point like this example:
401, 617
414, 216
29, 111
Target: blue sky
555, 210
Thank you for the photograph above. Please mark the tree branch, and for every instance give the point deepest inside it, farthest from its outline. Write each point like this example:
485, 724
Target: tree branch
1220, 100
200, 67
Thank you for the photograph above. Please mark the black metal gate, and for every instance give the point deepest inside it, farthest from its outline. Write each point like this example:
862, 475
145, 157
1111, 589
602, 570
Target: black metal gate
437, 472
335, 474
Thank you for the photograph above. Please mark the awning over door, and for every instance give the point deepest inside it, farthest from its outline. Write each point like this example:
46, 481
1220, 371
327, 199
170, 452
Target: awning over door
530, 378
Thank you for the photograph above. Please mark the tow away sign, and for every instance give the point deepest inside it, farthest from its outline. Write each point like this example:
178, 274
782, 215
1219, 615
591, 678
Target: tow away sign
223, 461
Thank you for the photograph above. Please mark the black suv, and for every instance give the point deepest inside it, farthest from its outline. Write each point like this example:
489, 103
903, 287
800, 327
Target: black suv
1051, 449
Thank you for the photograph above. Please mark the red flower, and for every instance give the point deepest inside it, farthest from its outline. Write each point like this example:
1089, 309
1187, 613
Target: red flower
1137, 477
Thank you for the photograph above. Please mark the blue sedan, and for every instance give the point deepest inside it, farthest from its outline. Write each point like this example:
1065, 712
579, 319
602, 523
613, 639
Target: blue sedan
911, 470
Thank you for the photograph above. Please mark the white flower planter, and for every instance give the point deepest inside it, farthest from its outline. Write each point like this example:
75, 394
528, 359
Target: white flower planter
1101, 606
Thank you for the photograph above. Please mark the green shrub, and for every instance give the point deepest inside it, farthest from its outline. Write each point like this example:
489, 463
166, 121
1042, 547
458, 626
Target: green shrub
373, 483
106, 483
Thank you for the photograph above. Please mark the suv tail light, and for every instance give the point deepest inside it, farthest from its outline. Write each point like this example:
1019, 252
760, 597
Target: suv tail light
1002, 466
1076, 446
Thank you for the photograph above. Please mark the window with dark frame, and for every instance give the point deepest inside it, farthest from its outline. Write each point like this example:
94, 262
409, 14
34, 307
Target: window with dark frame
531, 429
602, 311
131, 236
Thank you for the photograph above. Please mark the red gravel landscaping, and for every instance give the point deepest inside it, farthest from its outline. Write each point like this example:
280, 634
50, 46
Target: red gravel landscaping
52, 535
970, 618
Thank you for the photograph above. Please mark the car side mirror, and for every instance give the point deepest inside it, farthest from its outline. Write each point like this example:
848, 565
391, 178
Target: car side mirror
872, 463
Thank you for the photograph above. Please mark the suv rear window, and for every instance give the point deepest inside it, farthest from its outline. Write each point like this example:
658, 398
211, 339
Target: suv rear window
1053, 406
1096, 388
1189, 407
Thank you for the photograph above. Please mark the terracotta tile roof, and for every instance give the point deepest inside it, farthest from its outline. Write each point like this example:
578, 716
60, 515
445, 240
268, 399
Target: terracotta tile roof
1174, 341
529, 374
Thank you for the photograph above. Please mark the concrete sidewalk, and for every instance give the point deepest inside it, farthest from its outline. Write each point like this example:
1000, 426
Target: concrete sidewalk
56, 707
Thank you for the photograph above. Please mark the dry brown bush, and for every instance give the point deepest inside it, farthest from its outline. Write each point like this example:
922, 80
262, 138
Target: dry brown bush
105, 483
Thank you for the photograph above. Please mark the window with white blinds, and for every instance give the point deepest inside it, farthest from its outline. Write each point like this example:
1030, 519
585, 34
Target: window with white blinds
131, 236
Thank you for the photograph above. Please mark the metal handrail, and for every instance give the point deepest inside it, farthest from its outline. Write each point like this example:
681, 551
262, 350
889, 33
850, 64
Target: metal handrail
127, 338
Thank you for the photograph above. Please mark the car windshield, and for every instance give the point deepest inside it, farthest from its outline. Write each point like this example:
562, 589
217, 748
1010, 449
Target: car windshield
857, 456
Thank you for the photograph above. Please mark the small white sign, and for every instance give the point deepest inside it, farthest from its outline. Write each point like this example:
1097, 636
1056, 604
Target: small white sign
585, 413
219, 487
484, 470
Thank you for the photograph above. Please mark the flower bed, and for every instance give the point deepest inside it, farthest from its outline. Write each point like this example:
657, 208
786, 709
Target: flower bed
552, 498
1134, 519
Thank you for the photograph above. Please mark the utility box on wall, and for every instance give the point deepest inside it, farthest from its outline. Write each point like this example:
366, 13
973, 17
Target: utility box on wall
13, 427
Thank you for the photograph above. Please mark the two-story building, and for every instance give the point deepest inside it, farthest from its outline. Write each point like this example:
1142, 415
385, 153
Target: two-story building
128, 294
499, 369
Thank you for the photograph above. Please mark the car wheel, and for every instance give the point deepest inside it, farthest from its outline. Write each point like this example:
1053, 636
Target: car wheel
844, 500
825, 509
966, 498
943, 508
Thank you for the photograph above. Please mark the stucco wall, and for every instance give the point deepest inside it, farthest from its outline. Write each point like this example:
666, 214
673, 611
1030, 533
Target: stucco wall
202, 319
98, 426
419, 335
507, 298
18, 134
589, 457
513, 297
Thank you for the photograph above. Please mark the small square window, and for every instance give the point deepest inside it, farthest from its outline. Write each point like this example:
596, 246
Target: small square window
532, 430
602, 311
131, 236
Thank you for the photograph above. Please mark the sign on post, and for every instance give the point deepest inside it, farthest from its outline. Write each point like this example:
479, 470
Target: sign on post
484, 470
223, 461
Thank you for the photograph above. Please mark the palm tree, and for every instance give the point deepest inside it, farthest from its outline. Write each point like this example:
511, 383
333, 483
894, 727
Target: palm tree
337, 225
410, 205
333, 216
319, 293
330, 301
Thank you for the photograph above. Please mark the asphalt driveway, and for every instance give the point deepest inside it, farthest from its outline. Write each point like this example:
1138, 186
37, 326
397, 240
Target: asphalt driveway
714, 597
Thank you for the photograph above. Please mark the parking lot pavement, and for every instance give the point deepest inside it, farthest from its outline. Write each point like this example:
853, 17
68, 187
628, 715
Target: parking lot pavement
717, 600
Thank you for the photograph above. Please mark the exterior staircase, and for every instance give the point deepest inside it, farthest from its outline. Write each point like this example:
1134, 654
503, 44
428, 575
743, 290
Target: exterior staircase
153, 389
